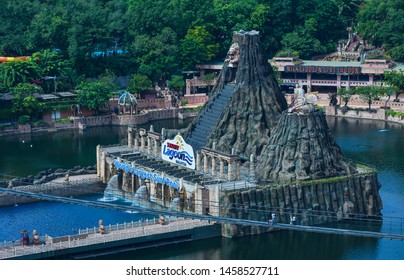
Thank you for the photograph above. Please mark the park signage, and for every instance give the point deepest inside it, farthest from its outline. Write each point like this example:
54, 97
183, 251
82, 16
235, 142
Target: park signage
152, 176
323, 69
177, 151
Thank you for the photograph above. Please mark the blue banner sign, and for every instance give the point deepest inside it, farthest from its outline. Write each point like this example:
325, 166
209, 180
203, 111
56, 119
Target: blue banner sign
145, 175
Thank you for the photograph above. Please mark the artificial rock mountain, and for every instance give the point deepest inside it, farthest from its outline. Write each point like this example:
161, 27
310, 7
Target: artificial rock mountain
301, 147
255, 105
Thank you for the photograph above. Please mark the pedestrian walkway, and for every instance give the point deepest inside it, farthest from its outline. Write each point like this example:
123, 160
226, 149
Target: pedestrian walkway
76, 178
89, 239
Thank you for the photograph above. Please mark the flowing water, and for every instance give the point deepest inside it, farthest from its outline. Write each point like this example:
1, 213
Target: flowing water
110, 192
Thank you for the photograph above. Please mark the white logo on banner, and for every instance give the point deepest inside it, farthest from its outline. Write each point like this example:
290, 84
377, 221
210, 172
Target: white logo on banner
178, 152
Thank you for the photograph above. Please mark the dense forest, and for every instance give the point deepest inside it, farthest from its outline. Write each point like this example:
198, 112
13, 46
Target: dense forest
161, 38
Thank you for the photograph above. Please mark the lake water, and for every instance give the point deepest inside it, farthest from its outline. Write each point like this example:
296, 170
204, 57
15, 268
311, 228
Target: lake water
377, 143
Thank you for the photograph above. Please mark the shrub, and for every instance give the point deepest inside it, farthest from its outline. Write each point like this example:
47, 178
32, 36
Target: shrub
24, 119
184, 102
65, 120
344, 109
394, 113
40, 124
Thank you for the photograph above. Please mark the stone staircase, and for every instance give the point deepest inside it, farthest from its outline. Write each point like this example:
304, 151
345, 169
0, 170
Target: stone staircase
200, 132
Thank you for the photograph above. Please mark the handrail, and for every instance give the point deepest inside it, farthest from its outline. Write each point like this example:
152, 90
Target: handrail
121, 232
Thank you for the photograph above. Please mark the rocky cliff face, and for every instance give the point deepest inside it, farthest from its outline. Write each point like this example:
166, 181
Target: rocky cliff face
301, 147
256, 104
311, 203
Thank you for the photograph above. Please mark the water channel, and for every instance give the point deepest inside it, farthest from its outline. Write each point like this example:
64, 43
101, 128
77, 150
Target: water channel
376, 143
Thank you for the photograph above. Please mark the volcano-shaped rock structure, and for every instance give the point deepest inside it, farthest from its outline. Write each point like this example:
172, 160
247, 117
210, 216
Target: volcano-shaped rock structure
301, 147
251, 110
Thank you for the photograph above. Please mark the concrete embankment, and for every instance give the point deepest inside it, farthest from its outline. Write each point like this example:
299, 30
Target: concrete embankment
111, 119
315, 202
77, 185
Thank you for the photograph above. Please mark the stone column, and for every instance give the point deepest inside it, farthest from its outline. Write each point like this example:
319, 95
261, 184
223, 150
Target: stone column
371, 79
133, 183
148, 187
205, 163
163, 132
230, 170
125, 181
213, 166
130, 137
142, 134
198, 161
238, 170
149, 146
120, 173
98, 151
221, 170
136, 139
157, 148
338, 81
103, 167
152, 191
308, 82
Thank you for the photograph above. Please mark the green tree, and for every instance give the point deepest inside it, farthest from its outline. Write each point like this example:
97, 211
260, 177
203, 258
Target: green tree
177, 83
94, 95
208, 79
345, 95
16, 72
139, 83
52, 64
87, 34
49, 26
24, 101
15, 18
329, 26
303, 40
369, 94
395, 79
232, 15
389, 91
197, 47
382, 23
108, 77
157, 56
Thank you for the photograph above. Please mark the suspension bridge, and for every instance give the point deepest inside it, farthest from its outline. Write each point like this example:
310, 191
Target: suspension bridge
395, 231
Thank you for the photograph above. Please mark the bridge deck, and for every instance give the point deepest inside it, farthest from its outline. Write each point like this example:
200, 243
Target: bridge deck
123, 236
134, 232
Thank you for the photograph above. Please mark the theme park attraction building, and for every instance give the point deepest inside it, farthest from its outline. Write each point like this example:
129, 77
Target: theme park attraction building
316, 75
245, 156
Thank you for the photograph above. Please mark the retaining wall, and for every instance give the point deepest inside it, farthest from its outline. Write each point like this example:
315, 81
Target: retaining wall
317, 203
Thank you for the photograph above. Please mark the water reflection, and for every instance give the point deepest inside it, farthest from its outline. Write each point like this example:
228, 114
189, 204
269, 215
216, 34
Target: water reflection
30, 154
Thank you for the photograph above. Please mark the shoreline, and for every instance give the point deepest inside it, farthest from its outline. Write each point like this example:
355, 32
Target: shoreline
104, 120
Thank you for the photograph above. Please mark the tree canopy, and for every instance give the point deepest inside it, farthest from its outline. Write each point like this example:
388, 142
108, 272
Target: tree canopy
161, 38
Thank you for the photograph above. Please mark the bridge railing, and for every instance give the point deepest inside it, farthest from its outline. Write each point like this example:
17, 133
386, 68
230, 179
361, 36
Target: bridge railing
129, 225
122, 232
